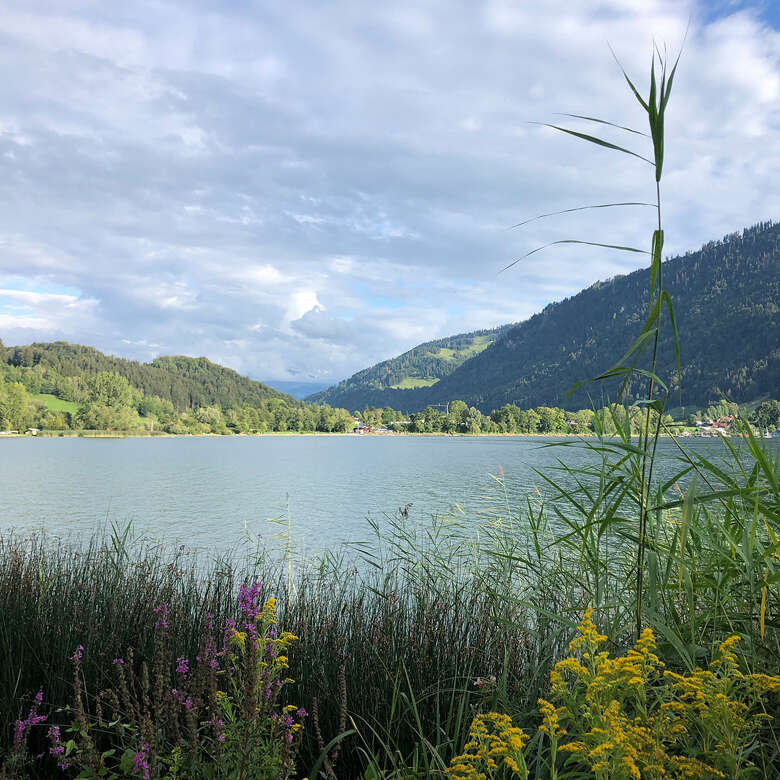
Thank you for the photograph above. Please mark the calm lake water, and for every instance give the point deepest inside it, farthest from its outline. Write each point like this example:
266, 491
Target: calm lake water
207, 492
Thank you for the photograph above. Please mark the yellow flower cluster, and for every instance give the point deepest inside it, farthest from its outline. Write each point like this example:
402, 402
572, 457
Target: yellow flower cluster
268, 615
644, 722
494, 748
550, 719
589, 638
617, 747
628, 718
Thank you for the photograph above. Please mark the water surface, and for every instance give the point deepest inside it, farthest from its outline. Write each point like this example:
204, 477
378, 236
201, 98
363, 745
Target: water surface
208, 492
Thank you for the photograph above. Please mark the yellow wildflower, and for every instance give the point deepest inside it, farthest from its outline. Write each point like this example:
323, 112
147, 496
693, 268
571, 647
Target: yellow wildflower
589, 637
493, 742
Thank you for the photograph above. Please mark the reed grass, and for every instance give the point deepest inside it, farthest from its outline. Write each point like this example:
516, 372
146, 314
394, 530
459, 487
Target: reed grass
391, 640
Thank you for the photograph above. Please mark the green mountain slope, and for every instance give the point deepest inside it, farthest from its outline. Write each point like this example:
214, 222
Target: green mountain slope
186, 382
726, 298
421, 367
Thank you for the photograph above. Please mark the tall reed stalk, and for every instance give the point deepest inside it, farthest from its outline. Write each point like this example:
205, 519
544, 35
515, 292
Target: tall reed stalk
654, 106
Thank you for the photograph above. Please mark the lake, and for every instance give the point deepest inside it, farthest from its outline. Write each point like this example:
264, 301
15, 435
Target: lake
208, 492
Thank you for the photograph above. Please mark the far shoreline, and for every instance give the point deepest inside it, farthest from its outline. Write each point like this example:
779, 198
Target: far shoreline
147, 435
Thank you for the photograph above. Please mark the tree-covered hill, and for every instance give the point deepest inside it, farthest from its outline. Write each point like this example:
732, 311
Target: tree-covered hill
421, 367
185, 382
726, 298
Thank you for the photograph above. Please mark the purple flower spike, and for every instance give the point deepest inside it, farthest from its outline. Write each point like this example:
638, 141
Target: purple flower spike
248, 596
219, 727
33, 719
182, 667
141, 762
57, 749
162, 612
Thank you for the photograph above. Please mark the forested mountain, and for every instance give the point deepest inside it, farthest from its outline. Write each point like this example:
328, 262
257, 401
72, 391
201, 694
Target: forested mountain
725, 296
420, 367
185, 382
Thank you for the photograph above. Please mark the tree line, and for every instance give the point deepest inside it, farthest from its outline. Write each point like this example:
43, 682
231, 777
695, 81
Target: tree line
107, 401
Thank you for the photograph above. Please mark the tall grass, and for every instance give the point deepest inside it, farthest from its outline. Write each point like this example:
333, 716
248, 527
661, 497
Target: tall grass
391, 640
704, 561
56, 595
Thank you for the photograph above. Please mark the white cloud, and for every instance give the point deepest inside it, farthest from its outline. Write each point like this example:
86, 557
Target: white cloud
305, 191
301, 302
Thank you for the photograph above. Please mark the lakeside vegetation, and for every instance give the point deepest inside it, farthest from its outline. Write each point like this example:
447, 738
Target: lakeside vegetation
109, 404
401, 643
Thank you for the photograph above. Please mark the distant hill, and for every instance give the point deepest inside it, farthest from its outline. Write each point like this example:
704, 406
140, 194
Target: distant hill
186, 382
296, 389
421, 367
726, 298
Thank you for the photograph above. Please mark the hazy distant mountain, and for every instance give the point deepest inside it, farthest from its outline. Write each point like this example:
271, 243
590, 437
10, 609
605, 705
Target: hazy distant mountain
726, 298
297, 390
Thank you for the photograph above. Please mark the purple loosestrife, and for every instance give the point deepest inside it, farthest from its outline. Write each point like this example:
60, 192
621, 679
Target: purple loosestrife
163, 613
141, 762
32, 719
182, 667
57, 749
210, 655
248, 599
219, 728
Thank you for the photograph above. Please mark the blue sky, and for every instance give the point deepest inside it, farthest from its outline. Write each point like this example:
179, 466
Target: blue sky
300, 190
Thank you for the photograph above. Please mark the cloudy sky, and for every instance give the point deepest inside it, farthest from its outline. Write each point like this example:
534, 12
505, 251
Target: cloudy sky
298, 190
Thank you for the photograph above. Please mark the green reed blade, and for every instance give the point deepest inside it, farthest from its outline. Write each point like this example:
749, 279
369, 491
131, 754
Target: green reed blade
580, 208
594, 140
604, 122
574, 241
628, 80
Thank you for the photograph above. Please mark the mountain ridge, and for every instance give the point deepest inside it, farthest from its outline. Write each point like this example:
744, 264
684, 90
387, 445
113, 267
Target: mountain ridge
423, 365
728, 287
